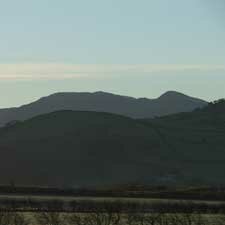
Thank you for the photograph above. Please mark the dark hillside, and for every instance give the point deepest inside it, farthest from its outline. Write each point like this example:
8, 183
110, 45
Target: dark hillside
197, 139
74, 148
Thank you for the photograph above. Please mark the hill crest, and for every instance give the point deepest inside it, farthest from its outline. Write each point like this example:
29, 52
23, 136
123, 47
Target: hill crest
169, 103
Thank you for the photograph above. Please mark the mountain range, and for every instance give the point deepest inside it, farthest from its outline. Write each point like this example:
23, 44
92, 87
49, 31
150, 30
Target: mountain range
83, 148
168, 103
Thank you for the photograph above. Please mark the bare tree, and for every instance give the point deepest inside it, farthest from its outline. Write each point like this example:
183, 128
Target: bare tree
13, 218
186, 219
5, 218
152, 218
99, 218
220, 220
143, 218
49, 218
199, 219
20, 219
75, 219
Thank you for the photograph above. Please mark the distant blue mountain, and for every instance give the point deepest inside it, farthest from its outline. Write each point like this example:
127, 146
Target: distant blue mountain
169, 103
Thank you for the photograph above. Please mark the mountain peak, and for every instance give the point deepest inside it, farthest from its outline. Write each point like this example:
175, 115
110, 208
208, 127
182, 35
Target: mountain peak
172, 94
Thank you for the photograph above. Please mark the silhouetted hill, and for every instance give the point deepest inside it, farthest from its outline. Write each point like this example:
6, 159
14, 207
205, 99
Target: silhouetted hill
70, 148
74, 148
170, 102
197, 139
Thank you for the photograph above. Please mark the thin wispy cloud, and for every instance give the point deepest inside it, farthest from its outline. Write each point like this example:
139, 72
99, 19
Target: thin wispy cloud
70, 71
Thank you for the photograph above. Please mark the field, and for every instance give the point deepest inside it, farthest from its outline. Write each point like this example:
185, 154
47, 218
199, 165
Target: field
71, 210
107, 218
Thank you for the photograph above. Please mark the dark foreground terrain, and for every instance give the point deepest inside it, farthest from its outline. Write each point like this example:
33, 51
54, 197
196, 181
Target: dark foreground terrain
50, 210
109, 218
76, 149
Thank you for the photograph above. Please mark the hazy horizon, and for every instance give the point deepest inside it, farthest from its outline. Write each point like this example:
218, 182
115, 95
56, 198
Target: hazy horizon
135, 48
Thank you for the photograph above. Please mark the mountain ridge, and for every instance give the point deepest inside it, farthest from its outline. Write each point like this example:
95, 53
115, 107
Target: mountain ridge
168, 103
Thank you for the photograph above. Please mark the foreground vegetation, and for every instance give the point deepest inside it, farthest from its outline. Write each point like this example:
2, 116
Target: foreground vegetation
109, 218
94, 212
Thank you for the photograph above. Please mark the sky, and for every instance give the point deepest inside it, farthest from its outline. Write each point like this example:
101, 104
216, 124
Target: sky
140, 48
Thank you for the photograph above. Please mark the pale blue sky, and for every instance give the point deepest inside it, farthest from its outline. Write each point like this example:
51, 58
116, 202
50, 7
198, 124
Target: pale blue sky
186, 34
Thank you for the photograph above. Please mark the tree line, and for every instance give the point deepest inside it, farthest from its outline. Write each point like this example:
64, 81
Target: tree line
130, 191
114, 206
